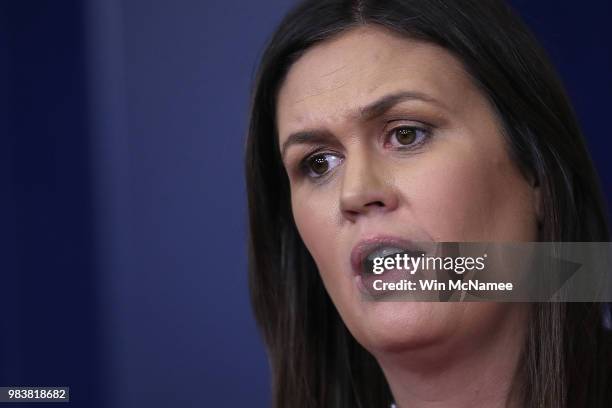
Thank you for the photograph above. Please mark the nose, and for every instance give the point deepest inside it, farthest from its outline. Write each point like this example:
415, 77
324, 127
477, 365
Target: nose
365, 189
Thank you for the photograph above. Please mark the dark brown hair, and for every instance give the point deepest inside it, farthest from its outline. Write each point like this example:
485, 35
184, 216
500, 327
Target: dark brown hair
315, 362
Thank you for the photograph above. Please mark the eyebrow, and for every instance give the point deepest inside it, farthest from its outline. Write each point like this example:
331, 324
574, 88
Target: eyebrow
305, 137
385, 103
374, 109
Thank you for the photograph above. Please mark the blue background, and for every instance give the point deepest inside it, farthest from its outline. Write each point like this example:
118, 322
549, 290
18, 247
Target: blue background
123, 218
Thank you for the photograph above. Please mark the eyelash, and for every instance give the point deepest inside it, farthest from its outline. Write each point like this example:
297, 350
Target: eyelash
425, 135
305, 164
306, 170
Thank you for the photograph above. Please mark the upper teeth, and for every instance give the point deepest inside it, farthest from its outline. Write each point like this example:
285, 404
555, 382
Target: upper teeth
384, 252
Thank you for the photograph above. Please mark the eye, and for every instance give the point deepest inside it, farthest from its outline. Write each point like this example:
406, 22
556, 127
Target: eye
318, 165
407, 136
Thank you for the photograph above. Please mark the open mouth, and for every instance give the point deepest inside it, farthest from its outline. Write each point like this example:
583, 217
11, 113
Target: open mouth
386, 258
385, 250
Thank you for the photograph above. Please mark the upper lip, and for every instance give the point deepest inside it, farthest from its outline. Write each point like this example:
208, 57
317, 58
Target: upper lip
364, 247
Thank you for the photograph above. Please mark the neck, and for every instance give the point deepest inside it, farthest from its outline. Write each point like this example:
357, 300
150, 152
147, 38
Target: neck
479, 372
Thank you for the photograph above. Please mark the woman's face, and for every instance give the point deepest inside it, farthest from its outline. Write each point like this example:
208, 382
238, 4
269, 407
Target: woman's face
388, 139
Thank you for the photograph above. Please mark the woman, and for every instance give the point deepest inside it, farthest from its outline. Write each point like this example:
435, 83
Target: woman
380, 123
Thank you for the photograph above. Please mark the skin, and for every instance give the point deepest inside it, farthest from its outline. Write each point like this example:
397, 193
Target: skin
456, 182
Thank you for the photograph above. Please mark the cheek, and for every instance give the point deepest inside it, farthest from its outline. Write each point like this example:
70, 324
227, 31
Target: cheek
468, 194
316, 221
316, 216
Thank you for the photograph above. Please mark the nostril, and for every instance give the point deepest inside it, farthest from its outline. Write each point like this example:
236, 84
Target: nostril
362, 200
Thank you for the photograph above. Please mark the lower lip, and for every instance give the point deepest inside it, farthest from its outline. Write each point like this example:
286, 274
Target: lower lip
365, 282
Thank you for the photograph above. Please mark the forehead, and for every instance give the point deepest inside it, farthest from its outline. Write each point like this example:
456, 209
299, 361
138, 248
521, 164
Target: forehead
334, 79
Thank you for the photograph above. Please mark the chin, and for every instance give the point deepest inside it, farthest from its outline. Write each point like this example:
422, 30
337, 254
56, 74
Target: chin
404, 326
